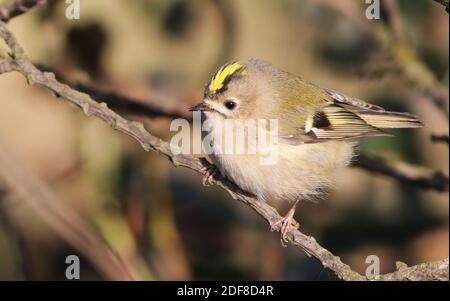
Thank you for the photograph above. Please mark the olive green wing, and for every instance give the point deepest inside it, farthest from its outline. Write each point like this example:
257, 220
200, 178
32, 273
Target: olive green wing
344, 118
332, 122
375, 115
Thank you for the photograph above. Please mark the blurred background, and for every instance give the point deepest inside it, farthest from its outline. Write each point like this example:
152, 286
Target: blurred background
160, 220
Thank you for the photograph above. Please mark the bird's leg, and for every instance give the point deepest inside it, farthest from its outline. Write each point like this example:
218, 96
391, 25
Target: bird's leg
286, 222
209, 173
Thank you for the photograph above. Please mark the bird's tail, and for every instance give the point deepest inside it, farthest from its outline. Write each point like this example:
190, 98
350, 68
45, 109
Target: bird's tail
386, 119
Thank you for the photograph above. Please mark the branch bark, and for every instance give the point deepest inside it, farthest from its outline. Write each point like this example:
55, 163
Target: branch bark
135, 106
436, 181
20, 63
418, 272
18, 7
117, 101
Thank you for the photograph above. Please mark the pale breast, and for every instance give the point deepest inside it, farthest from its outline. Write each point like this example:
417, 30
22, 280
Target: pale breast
298, 172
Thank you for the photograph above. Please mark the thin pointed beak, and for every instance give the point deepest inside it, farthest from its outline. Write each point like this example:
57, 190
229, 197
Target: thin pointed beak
201, 107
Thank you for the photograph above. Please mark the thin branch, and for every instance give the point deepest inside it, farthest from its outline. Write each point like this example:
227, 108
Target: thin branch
136, 130
137, 107
418, 272
117, 101
394, 18
18, 7
440, 138
437, 180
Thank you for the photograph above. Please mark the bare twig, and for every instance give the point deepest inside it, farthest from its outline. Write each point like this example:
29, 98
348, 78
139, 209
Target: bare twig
20, 63
418, 272
437, 180
440, 138
18, 7
394, 18
138, 107
117, 101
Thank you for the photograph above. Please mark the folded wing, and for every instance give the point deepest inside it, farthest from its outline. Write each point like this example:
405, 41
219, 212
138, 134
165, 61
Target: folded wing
345, 118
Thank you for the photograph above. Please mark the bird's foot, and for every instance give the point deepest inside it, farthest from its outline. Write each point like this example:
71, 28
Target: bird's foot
209, 173
285, 222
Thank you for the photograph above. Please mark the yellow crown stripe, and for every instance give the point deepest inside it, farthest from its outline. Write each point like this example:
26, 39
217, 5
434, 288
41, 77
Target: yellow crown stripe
219, 78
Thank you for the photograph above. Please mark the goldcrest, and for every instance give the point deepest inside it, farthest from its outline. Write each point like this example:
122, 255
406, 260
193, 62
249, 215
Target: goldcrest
316, 131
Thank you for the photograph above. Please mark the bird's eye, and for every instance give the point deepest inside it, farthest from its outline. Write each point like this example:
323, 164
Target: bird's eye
230, 104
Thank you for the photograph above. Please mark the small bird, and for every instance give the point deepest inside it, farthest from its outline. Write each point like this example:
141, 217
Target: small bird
316, 134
